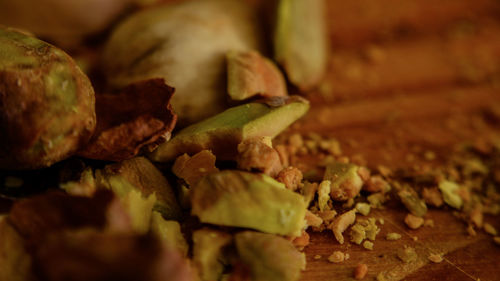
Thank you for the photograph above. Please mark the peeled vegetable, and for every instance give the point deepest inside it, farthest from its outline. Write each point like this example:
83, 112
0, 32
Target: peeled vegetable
47, 107
185, 44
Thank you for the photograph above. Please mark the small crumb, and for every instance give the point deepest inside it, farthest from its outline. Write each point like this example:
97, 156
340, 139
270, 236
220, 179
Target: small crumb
376, 199
381, 221
317, 257
368, 245
432, 196
324, 194
360, 271
376, 184
490, 229
429, 155
363, 208
497, 240
291, 177
347, 256
429, 223
336, 257
413, 222
471, 231
393, 236
407, 254
340, 224
415, 238
435, 258
451, 197
312, 219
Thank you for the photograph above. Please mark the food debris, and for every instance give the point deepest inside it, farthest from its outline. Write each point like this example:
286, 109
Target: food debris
429, 223
291, 177
435, 258
451, 197
336, 257
407, 254
363, 208
368, 245
413, 222
360, 271
393, 236
192, 169
490, 229
317, 257
496, 240
341, 223
410, 199
345, 180
324, 189
432, 196
257, 154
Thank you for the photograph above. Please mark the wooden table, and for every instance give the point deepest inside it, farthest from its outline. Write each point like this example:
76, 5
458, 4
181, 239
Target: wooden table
408, 77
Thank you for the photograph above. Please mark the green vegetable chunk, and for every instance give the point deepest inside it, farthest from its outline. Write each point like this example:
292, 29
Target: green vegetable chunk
223, 132
242, 199
269, 257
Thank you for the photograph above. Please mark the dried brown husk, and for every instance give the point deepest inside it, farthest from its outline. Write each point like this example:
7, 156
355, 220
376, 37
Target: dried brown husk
137, 117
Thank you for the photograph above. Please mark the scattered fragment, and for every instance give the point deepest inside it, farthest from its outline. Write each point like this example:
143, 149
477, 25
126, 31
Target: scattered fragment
393, 236
317, 257
368, 245
410, 199
313, 219
435, 258
432, 196
341, 223
376, 199
324, 189
376, 184
291, 177
257, 154
407, 254
336, 257
471, 231
413, 222
363, 208
360, 271
192, 169
358, 233
449, 190
429, 223
496, 240
490, 229
345, 180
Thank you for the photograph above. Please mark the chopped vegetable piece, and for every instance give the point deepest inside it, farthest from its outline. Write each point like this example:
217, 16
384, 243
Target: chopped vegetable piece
269, 257
223, 132
242, 199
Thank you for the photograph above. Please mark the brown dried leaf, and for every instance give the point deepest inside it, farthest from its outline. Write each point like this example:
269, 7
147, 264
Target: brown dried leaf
138, 117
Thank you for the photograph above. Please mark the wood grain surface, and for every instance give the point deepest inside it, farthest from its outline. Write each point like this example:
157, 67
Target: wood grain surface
407, 77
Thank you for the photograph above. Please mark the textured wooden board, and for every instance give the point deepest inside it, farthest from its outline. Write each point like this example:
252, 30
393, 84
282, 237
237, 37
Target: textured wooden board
408, 77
